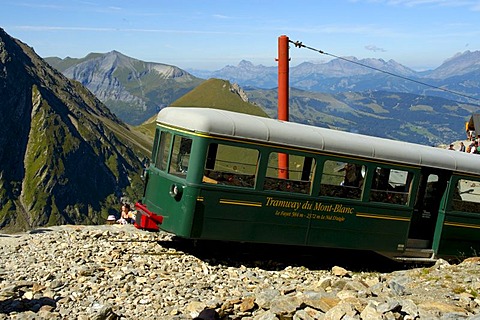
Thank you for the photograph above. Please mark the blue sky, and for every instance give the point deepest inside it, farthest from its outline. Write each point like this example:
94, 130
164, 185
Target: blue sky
419, 34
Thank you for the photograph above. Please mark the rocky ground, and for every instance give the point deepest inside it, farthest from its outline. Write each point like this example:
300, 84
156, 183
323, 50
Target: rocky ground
119, 272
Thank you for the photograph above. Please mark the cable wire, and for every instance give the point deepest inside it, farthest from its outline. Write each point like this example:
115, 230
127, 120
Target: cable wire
299, 44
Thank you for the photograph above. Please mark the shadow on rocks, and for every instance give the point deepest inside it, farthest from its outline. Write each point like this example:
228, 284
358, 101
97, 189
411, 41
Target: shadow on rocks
278, 257
208, 314
9, 235
41, 230
22, 305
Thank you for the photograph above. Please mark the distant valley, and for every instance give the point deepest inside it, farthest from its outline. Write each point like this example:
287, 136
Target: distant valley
426, 120
337, 94
459, 73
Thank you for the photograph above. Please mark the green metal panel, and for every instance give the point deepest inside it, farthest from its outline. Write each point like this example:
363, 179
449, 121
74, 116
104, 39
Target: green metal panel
457, 234
286, 219
177, 213
365, 226
240, 215
460, 235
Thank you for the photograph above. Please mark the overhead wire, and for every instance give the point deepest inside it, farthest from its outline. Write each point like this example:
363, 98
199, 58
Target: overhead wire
299, 44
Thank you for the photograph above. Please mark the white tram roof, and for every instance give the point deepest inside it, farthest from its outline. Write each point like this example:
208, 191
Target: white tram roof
231, 124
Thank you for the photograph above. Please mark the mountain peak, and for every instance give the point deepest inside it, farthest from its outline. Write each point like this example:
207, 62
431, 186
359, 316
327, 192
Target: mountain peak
460, 64
125, 83
220, 94
118, 54
245, 64
459, 55
59, 145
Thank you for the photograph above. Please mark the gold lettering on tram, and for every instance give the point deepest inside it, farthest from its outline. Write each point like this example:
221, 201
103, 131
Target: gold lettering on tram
309, 209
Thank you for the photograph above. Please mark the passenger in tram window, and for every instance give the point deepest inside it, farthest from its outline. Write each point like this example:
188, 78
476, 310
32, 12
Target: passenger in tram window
471, 135
352, 175
469, 148
474, 147
380, 180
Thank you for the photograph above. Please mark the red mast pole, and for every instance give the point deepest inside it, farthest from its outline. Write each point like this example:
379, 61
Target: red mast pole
283, 89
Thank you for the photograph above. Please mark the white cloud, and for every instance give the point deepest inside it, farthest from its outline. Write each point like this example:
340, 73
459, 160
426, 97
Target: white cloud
346, 29
443, 3
473, 5
96, 29
374, 48
221, 16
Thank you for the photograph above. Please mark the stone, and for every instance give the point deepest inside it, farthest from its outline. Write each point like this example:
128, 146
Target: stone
339, 271
370, 312
267, 315
314, 313
340, 311
398, 288
285, 305
265, 298
194, 308
390, 305
442, 307
247, 304
305, 315
112, 272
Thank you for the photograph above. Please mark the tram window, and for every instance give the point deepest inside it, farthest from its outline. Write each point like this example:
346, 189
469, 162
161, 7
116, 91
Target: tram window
180, 156
466, 196
342, 180
230, 165
390, 186
163, 150
296, 178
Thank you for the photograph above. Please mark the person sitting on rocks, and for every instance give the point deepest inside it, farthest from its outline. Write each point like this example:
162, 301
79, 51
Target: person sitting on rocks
111, 219
126, 215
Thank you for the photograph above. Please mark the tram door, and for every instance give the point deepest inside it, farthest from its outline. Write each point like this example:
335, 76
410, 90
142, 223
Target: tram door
433, 183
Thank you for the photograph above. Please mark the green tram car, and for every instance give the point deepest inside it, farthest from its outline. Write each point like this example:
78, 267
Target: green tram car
215, 175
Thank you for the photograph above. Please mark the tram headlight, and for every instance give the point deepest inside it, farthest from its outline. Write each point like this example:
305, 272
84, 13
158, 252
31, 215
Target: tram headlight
176, 191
